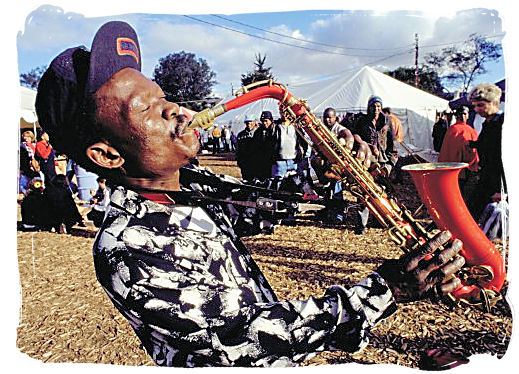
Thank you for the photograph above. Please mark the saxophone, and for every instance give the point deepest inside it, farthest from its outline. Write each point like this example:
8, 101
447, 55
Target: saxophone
484, 274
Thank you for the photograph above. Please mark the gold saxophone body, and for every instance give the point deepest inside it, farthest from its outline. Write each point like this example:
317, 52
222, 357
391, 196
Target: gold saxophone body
484, 275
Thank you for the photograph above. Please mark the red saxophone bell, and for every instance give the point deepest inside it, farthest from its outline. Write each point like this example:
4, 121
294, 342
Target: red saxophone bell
437, 185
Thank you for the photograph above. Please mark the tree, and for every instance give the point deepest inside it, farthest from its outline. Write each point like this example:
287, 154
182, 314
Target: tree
259, 73
32, 78
428, 80
460, 65
185, 79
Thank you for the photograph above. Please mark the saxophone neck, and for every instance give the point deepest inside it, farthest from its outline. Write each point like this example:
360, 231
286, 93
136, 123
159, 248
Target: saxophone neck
205, 118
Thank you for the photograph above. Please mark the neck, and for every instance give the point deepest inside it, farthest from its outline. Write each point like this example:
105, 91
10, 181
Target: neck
170, 183
490, 115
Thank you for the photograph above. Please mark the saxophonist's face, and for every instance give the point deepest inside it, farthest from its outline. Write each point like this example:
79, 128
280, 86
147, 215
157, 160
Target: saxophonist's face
143, 126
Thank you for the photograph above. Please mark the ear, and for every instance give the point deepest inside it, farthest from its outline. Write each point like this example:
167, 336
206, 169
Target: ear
104, 155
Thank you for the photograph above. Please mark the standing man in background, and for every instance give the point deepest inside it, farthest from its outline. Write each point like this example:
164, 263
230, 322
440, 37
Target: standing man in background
285, 150
217, 134
44, 154
439, 130
263, 145
485, 98
455, 147
226, 137
244, 152
375, 129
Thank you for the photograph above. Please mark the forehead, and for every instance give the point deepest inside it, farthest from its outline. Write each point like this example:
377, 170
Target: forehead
126, 84
329, 114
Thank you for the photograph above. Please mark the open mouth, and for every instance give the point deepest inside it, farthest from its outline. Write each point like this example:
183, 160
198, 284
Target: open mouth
179, 130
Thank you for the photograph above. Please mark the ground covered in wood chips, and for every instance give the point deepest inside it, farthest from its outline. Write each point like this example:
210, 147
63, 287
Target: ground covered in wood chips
66, 316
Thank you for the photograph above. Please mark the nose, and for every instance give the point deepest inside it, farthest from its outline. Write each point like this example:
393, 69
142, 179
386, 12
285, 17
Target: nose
170, 110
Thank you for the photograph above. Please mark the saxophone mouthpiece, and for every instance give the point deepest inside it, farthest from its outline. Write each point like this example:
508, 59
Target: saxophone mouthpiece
205, 118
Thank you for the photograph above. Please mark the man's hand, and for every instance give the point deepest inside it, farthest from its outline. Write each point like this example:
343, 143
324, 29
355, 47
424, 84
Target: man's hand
425, 273
378, 170
354, 143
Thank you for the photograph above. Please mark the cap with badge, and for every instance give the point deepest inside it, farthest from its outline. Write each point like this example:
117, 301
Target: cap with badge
114, 48
66, 88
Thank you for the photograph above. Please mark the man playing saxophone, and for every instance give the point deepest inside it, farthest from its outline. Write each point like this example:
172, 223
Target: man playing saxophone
173, 265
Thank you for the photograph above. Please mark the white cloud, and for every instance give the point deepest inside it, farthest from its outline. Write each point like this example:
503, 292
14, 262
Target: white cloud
371, 36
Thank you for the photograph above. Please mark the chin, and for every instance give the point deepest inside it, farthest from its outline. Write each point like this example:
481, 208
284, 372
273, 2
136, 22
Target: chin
191, 142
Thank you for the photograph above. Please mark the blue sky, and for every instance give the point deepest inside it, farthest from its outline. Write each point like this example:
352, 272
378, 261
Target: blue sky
339, 39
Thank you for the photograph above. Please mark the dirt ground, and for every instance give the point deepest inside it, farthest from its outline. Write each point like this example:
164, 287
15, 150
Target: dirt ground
66, 317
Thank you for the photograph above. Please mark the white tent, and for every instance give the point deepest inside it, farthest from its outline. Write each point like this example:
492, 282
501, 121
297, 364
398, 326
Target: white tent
350, 93
28, 116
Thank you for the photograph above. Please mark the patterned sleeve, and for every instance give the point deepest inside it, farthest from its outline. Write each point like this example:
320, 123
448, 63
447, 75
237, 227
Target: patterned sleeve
245, 221
207, 324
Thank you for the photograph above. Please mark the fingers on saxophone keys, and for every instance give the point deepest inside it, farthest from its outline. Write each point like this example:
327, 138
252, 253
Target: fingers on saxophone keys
451, 251
446, 254
445, 271
449, 286
420, 256
436, 242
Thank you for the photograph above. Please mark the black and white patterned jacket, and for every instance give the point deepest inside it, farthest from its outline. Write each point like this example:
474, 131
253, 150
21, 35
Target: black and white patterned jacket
195, 297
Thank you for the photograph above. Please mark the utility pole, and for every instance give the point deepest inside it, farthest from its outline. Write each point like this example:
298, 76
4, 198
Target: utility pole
416, 78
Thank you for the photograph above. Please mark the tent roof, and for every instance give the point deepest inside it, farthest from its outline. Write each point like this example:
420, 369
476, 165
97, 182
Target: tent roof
353, 90
350, 91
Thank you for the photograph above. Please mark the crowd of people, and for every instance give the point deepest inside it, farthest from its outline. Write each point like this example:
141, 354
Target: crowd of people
171, 261
272, 148
48, 195
482, 183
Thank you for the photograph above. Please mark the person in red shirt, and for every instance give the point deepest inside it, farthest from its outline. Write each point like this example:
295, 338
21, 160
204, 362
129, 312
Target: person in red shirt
455, 147
44, 154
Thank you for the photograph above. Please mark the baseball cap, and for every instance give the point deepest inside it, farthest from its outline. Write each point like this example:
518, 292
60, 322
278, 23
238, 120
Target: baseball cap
115, 47
250, 118
74, 76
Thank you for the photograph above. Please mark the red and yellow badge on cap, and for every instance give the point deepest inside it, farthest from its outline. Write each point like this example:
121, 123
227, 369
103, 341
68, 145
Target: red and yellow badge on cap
127, 47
